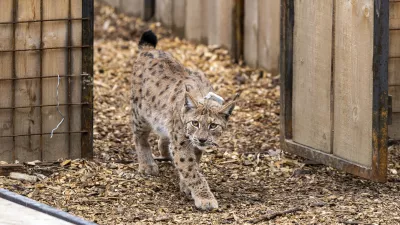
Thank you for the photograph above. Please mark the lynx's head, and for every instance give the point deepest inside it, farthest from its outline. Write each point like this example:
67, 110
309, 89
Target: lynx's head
206, 120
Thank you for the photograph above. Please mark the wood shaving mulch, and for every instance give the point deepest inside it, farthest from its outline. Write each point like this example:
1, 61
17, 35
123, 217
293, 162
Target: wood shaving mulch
249, 175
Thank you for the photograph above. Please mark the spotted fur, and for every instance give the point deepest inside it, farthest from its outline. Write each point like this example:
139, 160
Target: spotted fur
168, 98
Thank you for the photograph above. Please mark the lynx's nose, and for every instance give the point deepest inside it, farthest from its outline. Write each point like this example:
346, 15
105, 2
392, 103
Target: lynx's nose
202, 140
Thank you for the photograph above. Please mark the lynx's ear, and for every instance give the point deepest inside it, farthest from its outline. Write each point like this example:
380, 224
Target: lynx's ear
227, 109
190, 103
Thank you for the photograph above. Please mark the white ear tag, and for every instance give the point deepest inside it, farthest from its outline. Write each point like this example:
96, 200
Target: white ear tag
214, 97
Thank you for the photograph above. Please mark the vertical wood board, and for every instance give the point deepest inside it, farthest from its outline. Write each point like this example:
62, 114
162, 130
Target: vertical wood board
394, 91
6, 126
196, 28
220, 23
27, 92
394, 15
132, 7
251, 32
394, 131
76, 84
179, 17
164, 12
394, 47
353, 80
394, 71
54, 34
268, 33
312, 45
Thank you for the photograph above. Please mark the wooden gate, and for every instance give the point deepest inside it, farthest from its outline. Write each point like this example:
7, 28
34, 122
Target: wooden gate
334, 83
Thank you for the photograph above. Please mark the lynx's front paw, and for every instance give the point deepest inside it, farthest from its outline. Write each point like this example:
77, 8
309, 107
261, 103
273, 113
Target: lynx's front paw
149, 169
205, 203
184, 189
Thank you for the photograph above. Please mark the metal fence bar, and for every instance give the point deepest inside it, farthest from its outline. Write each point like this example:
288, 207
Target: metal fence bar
14, 75
46, 133
49, 48
87, 82
40, 77
39, 21
39, 106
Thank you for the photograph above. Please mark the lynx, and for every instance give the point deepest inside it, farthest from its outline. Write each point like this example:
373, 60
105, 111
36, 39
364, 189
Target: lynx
180, 106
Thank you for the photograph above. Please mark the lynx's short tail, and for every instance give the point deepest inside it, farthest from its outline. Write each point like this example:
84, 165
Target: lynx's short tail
148, 39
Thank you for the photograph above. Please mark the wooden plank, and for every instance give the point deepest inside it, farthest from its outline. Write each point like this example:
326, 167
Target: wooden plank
76, 84
394, 15
220, 23
27, 92
132, 7
6, 169
6, 147
251, 32
353, 80
114, 3
394, 71
394, 91
164, 12
178, 17
394, 129
148, 9
312, 53
54, 62
268, 34
196, 24
12, 213
394, 47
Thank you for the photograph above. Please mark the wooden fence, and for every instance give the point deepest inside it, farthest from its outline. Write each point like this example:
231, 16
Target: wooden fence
250, 30
46, 60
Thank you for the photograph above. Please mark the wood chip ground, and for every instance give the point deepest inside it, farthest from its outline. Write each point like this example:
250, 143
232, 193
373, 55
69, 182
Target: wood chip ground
250, 176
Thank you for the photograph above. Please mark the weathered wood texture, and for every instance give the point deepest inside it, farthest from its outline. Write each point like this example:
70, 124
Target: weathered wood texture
394, 131
12, 214
268, 34
213, 22
221, 23
261, 36
54, 34
75, 82
353, 80
6, 125
164, 10
196, 21
312, 47
394, 66
28, 93
132, 7
251, 32
179, 17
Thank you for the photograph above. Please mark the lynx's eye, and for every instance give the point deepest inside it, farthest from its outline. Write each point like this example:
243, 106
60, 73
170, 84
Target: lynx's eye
212, 126
195, 123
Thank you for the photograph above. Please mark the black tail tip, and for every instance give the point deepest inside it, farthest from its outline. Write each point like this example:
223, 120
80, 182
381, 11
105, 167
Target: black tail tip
148, 38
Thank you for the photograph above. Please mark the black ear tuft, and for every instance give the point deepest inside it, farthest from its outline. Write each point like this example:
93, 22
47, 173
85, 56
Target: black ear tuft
227, 110
148, 38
